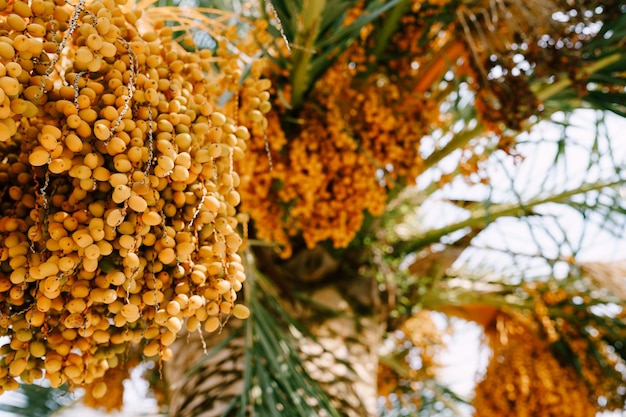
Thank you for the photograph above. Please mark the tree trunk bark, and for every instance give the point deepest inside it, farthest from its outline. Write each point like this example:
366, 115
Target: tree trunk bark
344, 361
208, 390
342, 355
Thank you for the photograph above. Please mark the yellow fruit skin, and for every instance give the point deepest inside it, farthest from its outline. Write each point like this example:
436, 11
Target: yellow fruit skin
241, 311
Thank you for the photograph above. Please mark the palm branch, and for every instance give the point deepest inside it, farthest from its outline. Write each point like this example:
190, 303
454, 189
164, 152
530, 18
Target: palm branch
36, 401
316, 32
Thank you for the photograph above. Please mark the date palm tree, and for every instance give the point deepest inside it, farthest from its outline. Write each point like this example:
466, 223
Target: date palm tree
400, 153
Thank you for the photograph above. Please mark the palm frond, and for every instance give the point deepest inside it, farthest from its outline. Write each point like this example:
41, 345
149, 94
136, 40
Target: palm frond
318, 35
524, 188
36, 401
274, 366
480, 217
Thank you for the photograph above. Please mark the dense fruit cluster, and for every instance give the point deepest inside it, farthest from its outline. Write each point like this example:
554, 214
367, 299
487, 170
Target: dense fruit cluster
118, 220
335, 159
597, 349
525, 378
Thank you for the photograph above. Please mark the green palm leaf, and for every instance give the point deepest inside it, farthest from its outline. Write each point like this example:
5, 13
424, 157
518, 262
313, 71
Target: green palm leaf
318, 35
36, 401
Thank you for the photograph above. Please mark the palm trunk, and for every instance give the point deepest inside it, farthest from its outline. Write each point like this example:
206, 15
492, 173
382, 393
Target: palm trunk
341, 354
344, 361
208, 390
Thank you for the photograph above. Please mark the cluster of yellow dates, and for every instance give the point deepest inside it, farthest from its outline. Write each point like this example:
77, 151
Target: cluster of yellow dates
118, 219
525, 378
